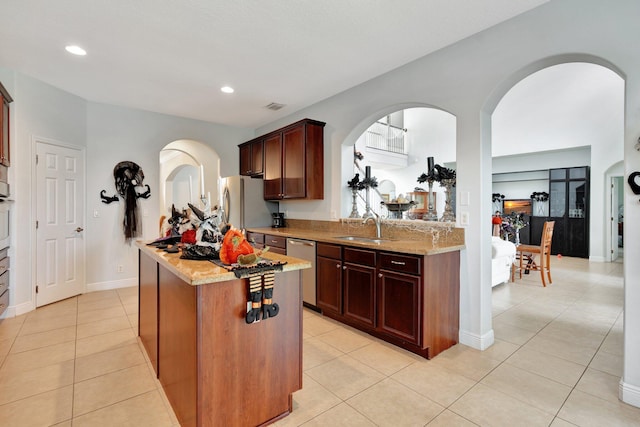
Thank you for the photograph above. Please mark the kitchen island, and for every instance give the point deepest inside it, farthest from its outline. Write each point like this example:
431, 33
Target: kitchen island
216, 369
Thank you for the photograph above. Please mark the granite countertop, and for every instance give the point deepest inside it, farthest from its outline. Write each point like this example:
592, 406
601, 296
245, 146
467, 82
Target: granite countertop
196, 272
402, 245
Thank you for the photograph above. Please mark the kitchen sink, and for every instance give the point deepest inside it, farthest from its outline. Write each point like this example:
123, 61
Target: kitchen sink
363, 239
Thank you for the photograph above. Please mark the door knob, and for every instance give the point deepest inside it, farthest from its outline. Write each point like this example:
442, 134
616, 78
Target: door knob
79, 229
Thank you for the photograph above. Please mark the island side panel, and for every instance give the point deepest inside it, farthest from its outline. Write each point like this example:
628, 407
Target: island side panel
148, 306
441, 301
248, 371
177, 345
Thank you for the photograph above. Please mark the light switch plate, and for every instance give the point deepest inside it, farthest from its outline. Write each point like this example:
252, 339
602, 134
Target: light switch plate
464, 218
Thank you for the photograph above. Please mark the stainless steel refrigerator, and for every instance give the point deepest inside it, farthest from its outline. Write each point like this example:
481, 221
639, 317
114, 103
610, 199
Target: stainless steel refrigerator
243, 203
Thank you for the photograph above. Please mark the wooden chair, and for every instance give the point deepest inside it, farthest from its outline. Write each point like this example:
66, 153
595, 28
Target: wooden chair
526, 255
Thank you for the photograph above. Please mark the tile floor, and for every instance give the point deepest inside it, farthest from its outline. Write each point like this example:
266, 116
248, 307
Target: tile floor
556, 362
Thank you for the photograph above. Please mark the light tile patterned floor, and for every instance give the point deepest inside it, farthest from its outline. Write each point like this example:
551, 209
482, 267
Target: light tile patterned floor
556, 362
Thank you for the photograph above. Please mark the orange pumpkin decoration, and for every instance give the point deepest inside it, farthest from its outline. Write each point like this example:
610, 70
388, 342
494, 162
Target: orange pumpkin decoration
233, 245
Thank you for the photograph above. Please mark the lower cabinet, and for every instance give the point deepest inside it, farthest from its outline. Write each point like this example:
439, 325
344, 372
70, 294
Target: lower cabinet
277, 244
409, 300
329, 278
359, 286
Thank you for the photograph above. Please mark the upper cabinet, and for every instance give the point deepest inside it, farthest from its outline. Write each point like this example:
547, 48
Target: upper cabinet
291, 160
251, 158
4, 125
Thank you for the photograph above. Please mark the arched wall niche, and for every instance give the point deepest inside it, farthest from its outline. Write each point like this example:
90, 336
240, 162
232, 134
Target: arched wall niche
403, 178
186, 161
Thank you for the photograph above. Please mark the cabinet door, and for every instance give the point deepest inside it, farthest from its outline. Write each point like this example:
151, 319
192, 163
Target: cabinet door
272, 168
256, 158
329, 284
245, 159
359, 284
294, 163
399, 305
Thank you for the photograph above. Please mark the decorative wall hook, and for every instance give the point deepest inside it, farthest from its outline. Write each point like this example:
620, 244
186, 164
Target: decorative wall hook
108, 199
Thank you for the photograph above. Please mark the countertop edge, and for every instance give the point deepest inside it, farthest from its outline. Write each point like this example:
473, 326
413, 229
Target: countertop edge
413, 247
208, 272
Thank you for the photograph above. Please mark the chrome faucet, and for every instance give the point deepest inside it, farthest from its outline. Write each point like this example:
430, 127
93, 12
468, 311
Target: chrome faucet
378, 221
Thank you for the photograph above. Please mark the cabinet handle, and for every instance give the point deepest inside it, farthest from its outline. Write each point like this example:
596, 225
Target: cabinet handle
380, 275
344, 267
337, 265
397, 262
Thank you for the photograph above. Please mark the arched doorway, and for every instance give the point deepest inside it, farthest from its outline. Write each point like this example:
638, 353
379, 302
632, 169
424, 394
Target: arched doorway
189, 173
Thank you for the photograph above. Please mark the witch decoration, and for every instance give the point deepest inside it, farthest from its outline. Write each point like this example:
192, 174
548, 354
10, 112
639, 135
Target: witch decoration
128, 175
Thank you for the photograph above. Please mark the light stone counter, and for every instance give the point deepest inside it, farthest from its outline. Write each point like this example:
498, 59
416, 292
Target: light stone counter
430, 240
196, 272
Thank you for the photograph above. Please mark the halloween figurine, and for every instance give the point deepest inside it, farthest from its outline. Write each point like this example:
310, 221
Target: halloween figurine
128, 176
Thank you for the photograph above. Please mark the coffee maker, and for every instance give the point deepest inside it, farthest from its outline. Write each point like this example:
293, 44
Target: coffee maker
278, 220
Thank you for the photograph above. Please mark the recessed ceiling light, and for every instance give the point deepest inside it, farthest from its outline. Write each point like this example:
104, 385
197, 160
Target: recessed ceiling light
76, 50
227, 89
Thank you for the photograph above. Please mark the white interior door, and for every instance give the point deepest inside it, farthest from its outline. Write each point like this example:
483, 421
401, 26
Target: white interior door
60, 252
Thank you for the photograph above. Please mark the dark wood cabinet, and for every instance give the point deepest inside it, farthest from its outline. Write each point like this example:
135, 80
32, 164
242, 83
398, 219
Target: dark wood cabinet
359, 286
255, 239
273, 167
5, 146
399, 310
408, 300
329, 278
277, 244
294, 162
251, 158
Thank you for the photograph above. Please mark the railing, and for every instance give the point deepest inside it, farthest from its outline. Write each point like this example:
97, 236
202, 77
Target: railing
386, 137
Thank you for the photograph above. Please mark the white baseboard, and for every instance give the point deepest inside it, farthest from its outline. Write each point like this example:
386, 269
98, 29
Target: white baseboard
594, 258
479, 342
629, 394
112, 284
17, 310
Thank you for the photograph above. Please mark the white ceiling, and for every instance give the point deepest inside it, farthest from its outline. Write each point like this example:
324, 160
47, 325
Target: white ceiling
172, 57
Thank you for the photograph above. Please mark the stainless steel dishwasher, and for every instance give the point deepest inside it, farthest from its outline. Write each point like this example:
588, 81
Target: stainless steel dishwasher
306, 250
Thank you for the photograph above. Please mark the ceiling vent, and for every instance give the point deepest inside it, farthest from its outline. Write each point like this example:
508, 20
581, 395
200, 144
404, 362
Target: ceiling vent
274, 106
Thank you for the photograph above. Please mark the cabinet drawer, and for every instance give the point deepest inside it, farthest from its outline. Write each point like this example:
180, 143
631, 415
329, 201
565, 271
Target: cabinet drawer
403, 263
329, 251
256, 239
4, 282
275, 241
4, 264
4, 301
4, 252
360, 256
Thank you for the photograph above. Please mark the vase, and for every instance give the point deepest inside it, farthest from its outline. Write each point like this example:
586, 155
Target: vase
431, 214
517, 238
354, 206
367, 205
448, 214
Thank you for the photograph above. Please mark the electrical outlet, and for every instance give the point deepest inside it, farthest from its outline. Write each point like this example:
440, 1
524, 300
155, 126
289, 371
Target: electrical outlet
464, 218
120, 268
96, 214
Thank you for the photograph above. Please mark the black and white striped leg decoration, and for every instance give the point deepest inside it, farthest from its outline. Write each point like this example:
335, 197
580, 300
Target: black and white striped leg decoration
255, 298
269, 308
